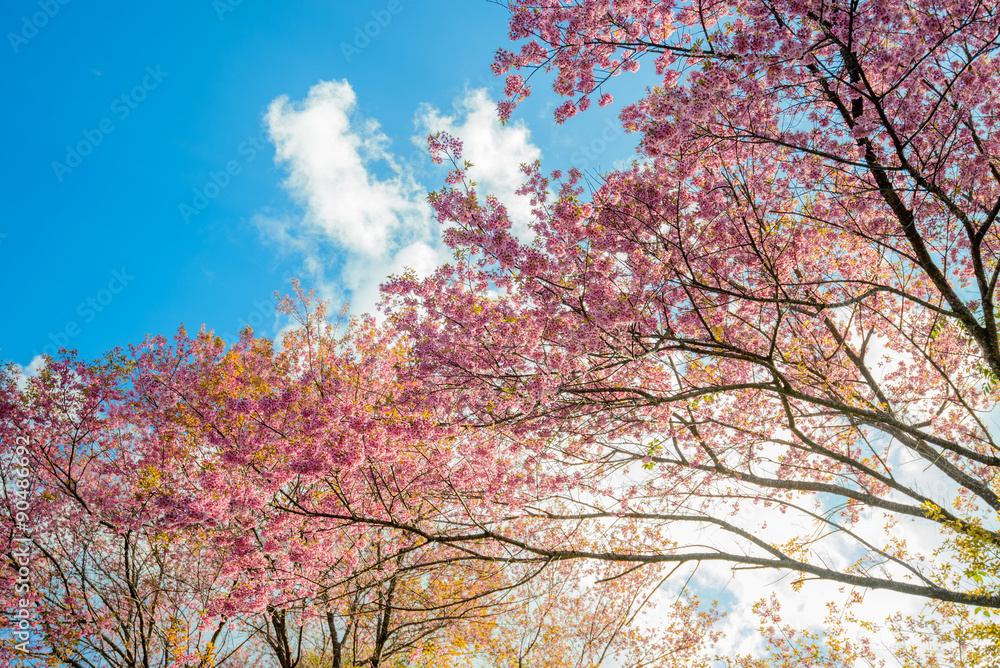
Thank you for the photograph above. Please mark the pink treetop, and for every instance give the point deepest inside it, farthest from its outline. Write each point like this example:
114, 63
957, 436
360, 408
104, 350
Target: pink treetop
304, 465
786, 303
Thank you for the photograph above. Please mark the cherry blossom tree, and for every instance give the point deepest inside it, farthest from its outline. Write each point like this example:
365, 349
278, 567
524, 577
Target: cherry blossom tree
332, 501
202, 505
143, 543
596, 615
90, 579
772, 341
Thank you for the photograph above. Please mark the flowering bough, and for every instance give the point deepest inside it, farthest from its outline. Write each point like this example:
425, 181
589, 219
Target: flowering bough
204, 505
787, 310
106, 585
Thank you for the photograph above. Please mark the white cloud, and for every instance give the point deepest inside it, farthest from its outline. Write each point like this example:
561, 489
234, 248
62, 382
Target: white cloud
329, 158
495, 151
364, 214
357, 225
739, 588
30, 371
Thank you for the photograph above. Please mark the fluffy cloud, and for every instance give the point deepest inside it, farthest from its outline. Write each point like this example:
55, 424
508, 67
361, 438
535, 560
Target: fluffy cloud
30, 371
354, 221
365, 215
495, 151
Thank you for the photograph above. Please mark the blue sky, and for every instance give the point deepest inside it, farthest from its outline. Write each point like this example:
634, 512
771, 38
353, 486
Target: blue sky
141, 188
